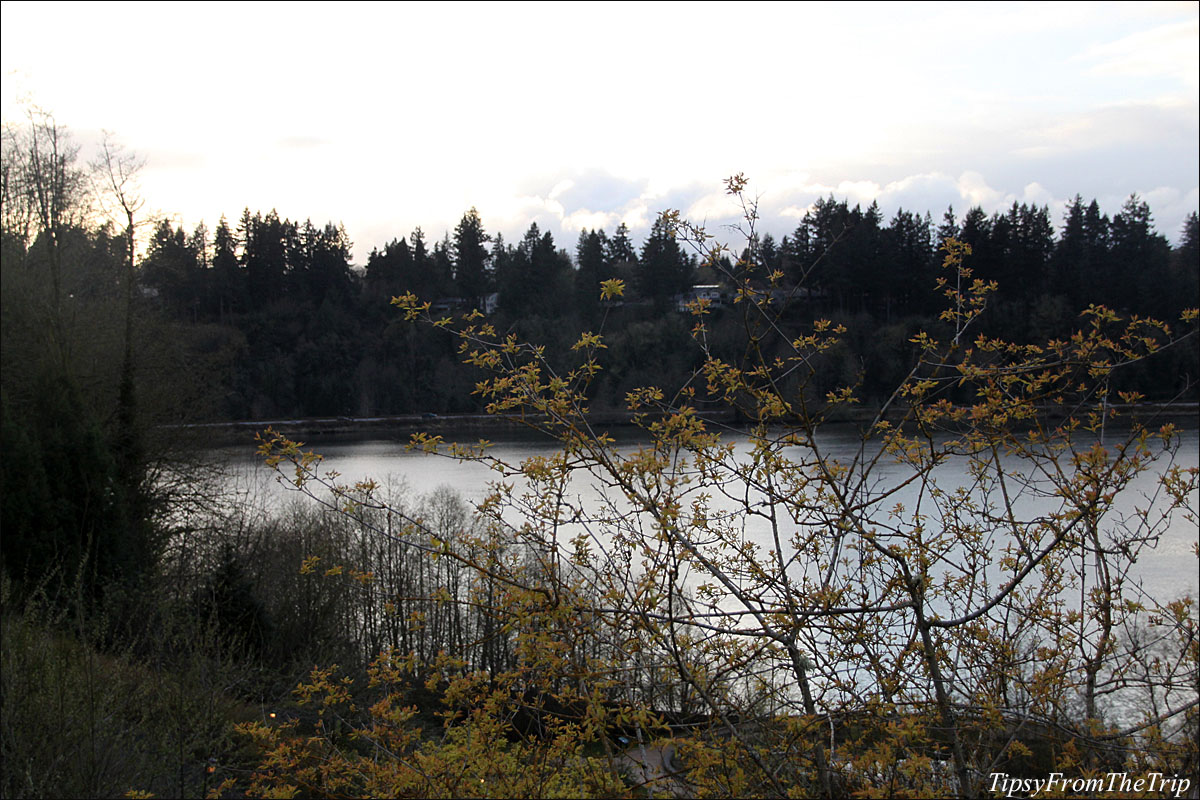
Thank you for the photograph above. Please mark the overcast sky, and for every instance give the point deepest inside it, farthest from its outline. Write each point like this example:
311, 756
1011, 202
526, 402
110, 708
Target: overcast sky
389, 116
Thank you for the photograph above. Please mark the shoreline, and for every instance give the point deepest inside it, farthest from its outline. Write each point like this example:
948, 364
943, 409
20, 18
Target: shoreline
1186, 414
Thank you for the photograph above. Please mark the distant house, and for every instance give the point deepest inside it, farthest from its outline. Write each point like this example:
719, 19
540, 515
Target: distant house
488, 303
702, 291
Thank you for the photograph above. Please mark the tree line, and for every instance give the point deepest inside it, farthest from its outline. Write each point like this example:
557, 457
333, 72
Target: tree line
308, 334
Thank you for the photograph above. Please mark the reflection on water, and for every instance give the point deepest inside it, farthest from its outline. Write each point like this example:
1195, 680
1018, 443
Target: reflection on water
1167, 570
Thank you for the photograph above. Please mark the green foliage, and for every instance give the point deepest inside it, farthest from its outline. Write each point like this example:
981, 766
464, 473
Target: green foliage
68, 519
380, 752
78, 722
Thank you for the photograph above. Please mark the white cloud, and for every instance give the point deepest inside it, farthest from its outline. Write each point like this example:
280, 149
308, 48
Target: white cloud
1036, 194
974, 190
1139, 124
1170, 207
713, 207
586, 116
590, 220
1166, 50
638, 216
858, 191
561, 187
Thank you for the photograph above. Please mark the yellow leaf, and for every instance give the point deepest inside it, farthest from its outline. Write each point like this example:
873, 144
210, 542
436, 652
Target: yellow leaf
611, 289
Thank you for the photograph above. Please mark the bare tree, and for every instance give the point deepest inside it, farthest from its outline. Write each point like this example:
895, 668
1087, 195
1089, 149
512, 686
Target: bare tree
115, 172
44, 195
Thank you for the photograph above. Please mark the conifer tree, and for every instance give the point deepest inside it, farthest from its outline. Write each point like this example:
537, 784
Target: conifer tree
470, 258
664, 271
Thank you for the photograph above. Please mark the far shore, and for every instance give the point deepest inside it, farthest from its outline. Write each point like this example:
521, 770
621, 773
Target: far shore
1184, 414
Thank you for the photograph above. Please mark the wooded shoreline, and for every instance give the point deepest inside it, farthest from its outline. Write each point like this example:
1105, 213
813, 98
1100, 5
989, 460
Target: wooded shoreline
1185, 414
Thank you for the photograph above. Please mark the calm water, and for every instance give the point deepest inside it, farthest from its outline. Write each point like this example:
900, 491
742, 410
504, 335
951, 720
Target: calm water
1167, 570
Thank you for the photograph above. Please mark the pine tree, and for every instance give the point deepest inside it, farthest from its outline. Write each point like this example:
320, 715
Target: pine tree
470, 257
229, 290
1069, 262
1142, 255
1099, 281
664, 271
172, 269
1185, 264
592, 267
908, 249
264, 256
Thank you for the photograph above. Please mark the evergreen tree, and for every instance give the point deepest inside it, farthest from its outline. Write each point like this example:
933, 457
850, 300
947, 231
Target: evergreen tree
768, 254
68, 519
442, 270
1099, 281
172, 269
794, 254
824, 229
500, 255
908, 249
1185, 264
664, 270
265, 245
1030, 249
536, 277
863, 260
328, 272
592, 267
976, 232
420, 251
1070, 261
229, 289
471, 258
948, 229
620, 249
389, 273
199, 243
1142, 255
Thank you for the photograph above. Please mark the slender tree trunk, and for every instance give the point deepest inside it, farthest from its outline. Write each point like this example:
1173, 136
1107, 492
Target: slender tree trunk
810, 708
945, 709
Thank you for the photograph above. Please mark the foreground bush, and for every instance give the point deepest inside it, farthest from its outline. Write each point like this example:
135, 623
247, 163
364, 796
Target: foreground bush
840, 629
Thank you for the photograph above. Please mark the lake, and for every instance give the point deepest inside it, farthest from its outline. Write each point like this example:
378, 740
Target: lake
1168, 569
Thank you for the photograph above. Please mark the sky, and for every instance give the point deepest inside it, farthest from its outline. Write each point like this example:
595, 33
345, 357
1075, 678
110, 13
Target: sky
385, 117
